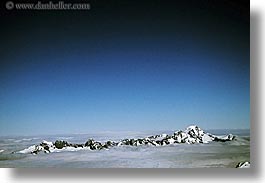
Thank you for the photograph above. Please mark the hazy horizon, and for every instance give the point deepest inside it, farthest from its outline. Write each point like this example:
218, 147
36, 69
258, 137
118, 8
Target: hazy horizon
118, 132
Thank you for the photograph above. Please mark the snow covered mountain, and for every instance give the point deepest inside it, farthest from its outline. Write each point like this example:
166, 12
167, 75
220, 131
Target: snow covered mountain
193, 134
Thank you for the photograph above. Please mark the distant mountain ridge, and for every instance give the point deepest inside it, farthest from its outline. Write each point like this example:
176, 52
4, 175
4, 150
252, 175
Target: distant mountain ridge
191, 135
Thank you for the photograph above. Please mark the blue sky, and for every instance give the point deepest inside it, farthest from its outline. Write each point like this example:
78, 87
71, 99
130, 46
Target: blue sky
75, 79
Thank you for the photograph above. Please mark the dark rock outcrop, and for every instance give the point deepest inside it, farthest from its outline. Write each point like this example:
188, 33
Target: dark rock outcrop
60, 144
244, 164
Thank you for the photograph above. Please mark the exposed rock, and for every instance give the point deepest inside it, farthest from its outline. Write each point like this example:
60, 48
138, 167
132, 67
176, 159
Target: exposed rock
245, 164
77, 145
47, 146
60, 144
229, 137
89, 142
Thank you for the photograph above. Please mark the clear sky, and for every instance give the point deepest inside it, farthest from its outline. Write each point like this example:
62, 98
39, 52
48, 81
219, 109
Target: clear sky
125, 65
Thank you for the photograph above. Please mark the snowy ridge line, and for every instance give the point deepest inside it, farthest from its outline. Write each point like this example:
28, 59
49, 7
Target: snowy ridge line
244, 164
193, 134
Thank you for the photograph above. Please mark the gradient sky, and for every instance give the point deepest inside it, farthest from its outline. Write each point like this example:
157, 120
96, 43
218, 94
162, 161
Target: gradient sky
125, 65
